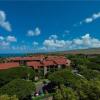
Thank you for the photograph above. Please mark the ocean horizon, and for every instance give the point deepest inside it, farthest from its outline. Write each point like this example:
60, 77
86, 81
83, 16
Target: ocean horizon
13, 55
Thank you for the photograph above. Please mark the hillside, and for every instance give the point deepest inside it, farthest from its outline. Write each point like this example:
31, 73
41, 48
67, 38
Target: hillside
79, 51
85, 51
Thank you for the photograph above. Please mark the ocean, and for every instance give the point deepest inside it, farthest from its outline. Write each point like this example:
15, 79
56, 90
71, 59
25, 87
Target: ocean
12, 55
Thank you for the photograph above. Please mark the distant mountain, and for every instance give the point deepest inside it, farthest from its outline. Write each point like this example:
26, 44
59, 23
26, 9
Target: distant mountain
82, 51
78, 51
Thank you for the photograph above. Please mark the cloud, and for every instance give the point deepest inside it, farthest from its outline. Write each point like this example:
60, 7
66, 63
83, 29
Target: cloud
3, 23
35, 32
8, 38
85, 41
19, 48
43, 48
67, 31
53, 37
35, 43
88, 20
94, 17
53, 42
77, 41
11, 39
1, 38
4, 43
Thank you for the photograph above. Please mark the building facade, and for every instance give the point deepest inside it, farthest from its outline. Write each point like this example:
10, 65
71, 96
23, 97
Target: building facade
38, 63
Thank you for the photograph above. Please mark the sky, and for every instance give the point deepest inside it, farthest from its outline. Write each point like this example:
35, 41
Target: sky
45, 26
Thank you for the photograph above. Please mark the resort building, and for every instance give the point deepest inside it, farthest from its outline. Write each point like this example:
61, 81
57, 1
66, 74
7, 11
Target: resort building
46, 64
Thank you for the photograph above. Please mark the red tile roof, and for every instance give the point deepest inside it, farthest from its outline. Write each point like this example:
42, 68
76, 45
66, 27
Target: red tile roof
39, 61
48, 63
60, 61
55, 57
34, 64
9, 65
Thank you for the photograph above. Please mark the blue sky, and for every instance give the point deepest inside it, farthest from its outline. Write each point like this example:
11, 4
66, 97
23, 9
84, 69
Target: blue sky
34, 26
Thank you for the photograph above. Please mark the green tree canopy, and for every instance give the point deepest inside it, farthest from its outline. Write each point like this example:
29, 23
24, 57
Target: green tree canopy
63, 77
15, 73
65, 93
20, 88
6, 97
